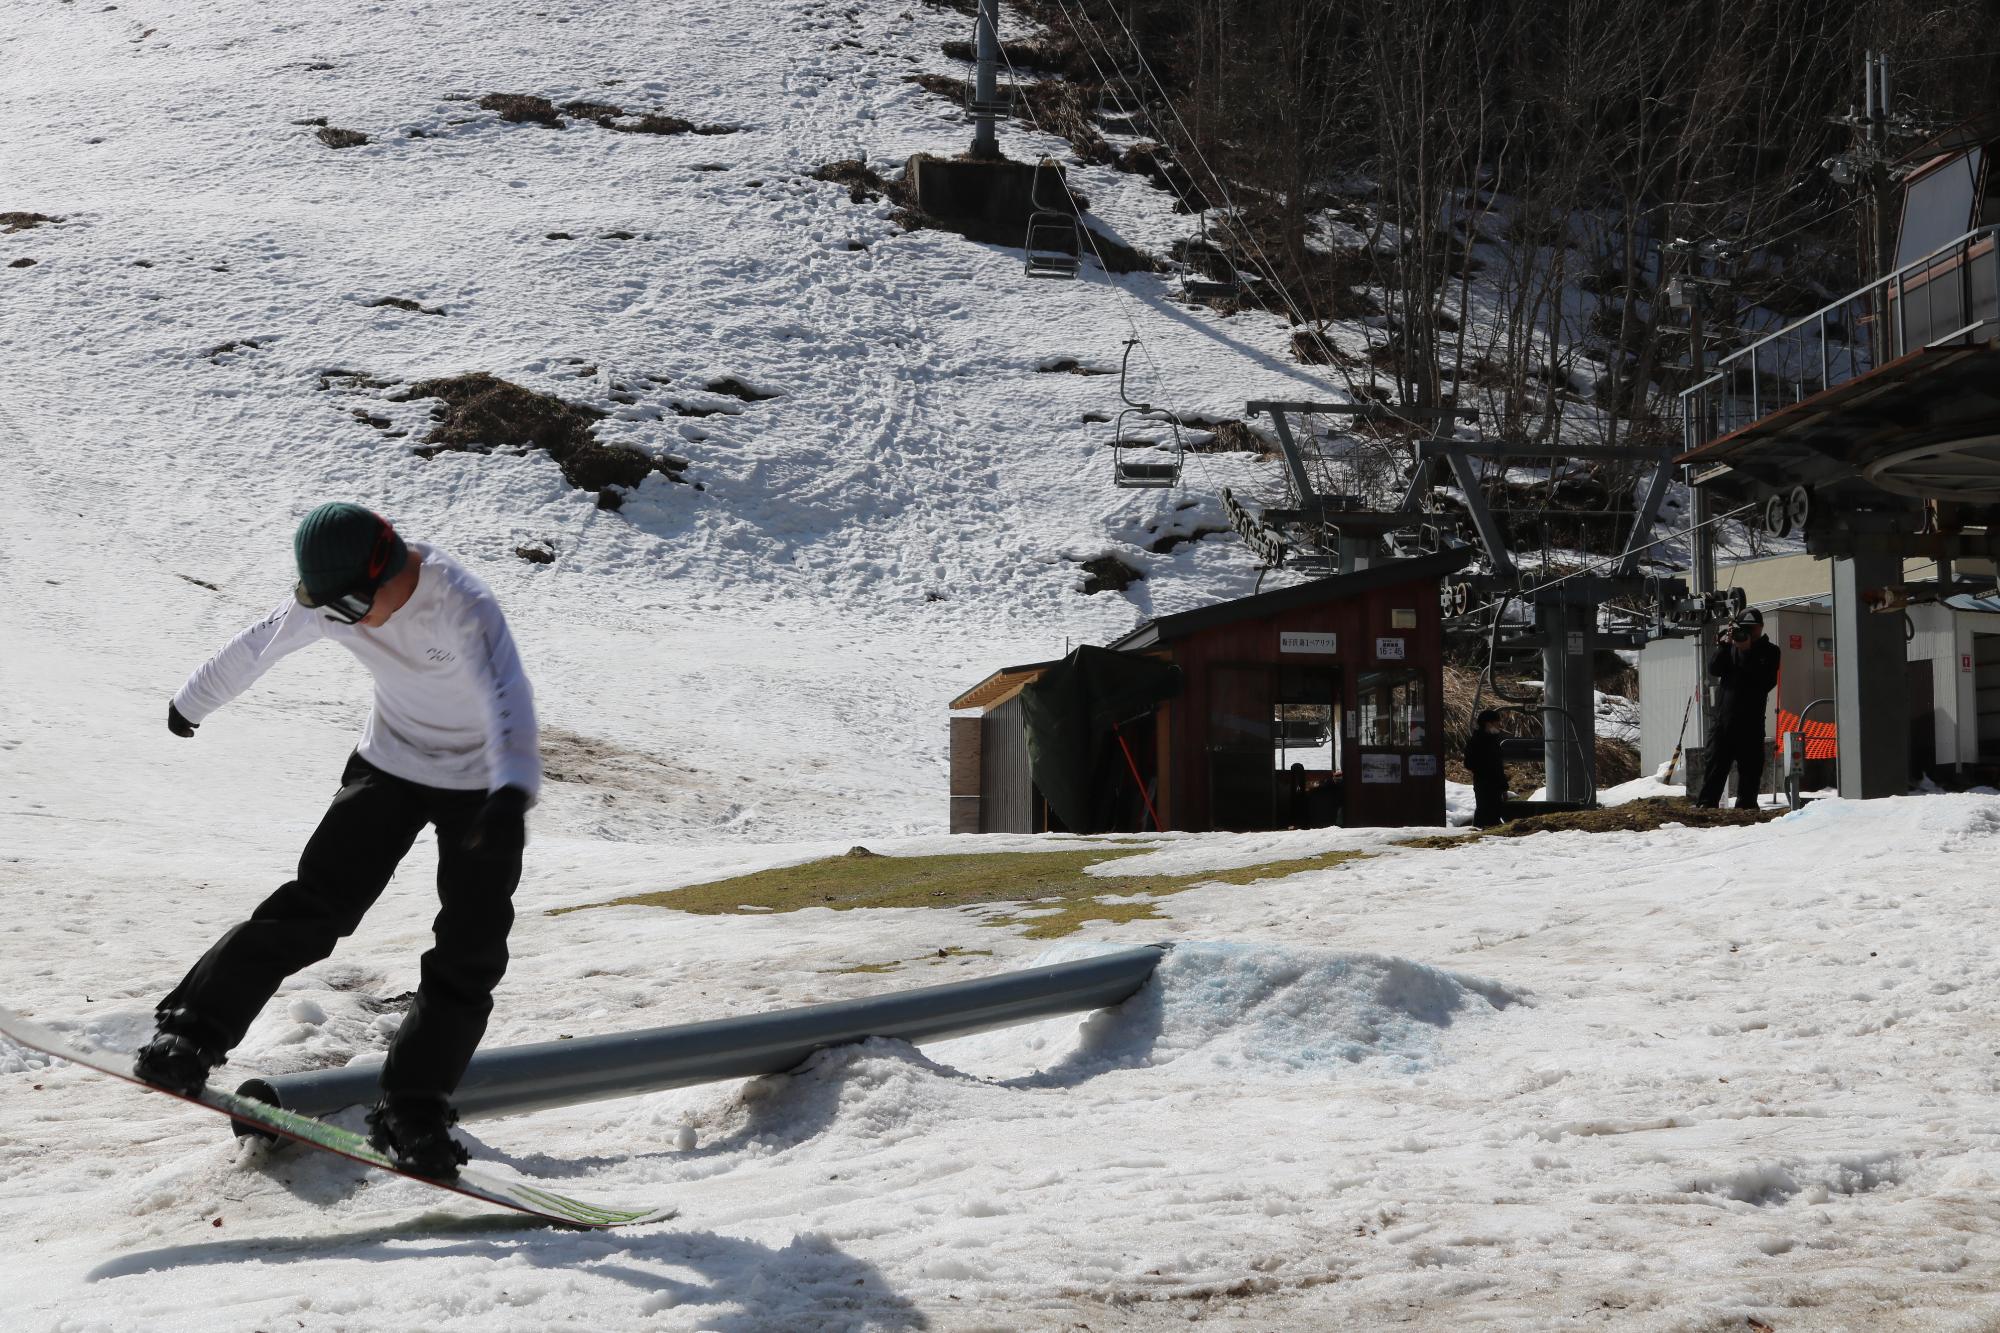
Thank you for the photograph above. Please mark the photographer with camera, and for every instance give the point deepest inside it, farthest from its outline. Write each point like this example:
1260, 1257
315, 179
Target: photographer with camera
1745, 668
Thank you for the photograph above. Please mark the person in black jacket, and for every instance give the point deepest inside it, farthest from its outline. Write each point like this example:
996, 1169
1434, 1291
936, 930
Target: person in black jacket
1745, 668
1489, 770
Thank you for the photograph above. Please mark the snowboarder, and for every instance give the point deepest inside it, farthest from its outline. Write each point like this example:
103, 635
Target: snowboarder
1745, 668
1489, 770
451, 741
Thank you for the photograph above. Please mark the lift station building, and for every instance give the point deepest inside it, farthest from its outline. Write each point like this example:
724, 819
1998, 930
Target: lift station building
1870, 429
1308, 706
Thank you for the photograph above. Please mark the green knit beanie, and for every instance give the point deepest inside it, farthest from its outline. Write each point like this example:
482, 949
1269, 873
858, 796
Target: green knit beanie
343, 548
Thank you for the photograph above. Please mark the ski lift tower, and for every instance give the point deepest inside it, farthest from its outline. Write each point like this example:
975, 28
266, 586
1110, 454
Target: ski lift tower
986, 103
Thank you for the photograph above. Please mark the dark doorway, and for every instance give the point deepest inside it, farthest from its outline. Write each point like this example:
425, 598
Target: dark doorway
1923, 726
1274, 748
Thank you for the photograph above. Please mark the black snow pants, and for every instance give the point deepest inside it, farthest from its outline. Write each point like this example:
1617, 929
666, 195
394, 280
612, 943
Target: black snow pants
1737, 743
364, 835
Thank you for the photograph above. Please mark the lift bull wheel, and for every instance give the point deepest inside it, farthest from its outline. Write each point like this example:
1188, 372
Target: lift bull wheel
1775, 522
1967, 470
1786, 512
1798, 507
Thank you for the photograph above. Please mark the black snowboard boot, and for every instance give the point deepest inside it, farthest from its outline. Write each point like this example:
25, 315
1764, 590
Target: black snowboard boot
415, 1133
175, 1062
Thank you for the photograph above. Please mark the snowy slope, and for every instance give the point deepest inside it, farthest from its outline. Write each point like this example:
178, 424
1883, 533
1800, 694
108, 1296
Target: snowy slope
916, 482
1657, 1081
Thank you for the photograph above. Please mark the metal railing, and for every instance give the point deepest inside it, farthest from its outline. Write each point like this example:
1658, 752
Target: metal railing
1846, 339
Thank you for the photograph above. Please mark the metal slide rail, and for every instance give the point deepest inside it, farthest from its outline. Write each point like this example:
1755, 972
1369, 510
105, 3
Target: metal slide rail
1828, 347
511, 1080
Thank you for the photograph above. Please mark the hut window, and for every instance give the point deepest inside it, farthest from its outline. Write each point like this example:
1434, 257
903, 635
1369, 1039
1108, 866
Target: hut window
1391, 710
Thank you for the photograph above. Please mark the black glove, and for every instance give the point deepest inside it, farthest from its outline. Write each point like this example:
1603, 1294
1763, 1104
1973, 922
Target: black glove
501, 826
177, 724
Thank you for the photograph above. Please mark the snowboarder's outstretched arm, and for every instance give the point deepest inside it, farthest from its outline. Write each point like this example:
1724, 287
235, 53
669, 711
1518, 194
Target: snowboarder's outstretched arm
246, 657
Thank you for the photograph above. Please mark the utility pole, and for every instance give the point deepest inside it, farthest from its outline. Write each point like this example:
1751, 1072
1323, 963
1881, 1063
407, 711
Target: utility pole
986, 81
1865, 168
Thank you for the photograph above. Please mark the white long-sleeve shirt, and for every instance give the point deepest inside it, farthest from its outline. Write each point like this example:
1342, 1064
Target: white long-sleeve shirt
453, 707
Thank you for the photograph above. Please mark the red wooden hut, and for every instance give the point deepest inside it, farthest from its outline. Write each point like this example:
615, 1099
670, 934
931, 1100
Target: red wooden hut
1307, 706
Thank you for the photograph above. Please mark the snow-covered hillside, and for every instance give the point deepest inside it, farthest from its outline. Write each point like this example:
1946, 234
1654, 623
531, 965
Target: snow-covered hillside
908, 512
1673, 1080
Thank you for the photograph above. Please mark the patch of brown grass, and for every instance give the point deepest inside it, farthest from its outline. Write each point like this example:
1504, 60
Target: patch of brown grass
478, 413
522, 109
1633, 817
13, 222
339, 138
1107, 573
404, 303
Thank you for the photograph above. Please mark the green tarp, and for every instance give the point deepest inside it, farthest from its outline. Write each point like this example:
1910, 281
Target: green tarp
1070, 714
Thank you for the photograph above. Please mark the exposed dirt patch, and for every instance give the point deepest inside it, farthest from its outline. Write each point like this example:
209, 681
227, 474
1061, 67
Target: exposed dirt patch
13, 222
538, 552
1634, 817
1058, 107
1069, 365
23, 263
376, 420
233, 345
601, 112
654, 122
404, 303
479, 413
1229, 437
1018, 55
521, 109
1107, 573
338, 138
558, 236
863, 185
737, 389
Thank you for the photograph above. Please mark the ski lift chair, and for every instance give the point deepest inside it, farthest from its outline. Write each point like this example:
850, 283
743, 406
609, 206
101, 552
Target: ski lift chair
1531, 749
1054, 243
1148, 473
1005, 103
1202, 260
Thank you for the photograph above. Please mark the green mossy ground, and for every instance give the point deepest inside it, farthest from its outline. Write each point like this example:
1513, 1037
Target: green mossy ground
1050, 894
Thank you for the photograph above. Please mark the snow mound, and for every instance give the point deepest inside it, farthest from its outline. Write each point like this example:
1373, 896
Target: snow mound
1251, 1011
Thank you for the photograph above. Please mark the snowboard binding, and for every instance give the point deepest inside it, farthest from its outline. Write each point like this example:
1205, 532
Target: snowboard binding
176, 1063
415, 1133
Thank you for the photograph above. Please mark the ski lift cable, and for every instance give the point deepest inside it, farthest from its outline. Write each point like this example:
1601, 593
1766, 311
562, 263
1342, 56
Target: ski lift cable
1265, 269
1131, 93
1263, 263
1145, 348
1260, 261
1090, 238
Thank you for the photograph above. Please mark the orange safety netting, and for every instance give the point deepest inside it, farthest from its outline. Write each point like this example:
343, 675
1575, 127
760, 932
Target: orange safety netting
1821, 737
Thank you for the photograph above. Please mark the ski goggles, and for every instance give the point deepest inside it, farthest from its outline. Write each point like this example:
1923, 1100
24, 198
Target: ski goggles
348, 608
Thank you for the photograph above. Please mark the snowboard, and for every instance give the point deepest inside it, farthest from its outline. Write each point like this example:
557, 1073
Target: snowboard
264, 1118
